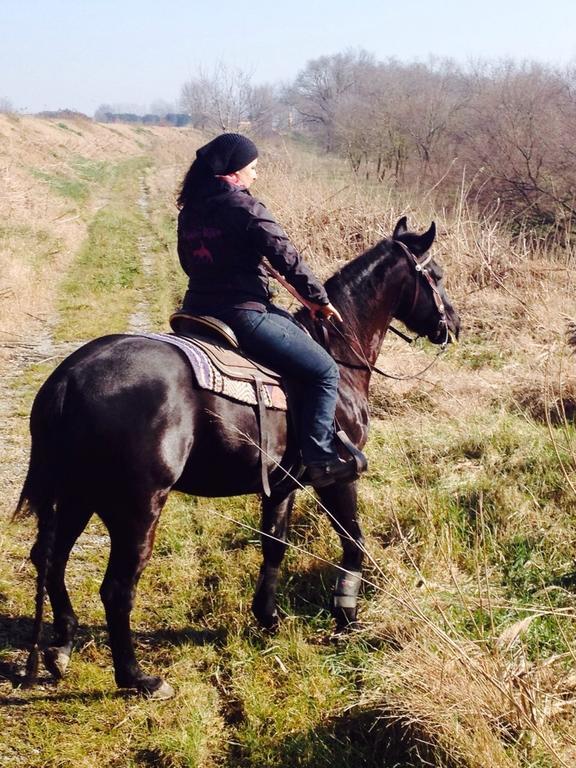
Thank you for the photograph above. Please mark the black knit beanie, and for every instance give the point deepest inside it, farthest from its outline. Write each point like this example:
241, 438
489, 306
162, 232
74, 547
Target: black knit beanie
227, 153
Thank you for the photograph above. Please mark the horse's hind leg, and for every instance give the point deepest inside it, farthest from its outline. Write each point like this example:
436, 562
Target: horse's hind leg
275, 521
132, 526
72, 518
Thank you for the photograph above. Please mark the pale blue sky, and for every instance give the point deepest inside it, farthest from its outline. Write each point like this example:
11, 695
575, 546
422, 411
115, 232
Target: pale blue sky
82, 53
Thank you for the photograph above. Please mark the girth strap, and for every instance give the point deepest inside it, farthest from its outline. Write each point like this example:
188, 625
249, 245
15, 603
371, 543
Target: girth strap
263, 434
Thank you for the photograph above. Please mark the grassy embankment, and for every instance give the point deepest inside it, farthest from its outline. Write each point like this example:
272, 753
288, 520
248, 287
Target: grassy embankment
467, 642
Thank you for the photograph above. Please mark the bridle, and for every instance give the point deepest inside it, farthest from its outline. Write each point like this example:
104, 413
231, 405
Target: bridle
421, 268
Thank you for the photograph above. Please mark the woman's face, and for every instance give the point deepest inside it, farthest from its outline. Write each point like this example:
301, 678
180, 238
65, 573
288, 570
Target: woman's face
247, 175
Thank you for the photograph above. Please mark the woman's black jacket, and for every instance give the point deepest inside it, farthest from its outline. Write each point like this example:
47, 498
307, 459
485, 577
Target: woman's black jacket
222, 239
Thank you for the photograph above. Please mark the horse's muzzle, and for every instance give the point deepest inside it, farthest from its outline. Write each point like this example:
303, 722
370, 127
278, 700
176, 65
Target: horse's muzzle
448, 330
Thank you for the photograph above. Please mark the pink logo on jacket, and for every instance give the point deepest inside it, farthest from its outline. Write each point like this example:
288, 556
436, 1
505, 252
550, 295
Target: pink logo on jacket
197, 236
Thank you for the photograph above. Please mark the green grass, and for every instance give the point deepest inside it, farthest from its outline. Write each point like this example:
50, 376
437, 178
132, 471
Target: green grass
101, 289
480, 353
63, 185
65, 127
33, 244
92, 171
245, 699
82, 178
170, 280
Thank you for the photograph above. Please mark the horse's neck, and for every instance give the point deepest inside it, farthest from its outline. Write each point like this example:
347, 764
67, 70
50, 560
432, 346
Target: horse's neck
367, 293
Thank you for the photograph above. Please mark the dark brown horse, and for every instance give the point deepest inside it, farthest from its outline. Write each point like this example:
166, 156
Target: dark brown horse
120, 423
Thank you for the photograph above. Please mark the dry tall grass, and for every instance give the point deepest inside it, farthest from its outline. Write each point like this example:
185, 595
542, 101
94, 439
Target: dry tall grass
451, 701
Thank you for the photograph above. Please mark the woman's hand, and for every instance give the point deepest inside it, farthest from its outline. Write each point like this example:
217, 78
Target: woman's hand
325, 310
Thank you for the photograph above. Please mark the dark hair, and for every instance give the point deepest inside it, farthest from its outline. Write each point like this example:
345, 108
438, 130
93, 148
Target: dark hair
196, 182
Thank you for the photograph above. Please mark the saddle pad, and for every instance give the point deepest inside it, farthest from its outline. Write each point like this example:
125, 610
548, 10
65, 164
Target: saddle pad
232, 362
234, 378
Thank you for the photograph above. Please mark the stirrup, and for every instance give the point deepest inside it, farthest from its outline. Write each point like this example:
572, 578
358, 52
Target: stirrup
331, 473
358, 456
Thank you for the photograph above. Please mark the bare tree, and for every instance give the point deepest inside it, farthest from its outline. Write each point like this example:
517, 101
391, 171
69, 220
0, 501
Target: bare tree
432, 97
220, 99
102, 112
518, 141
161, 108
388, 118
267, 113
322, 88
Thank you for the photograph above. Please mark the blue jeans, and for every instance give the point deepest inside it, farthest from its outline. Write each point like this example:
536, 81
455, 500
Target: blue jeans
274, 339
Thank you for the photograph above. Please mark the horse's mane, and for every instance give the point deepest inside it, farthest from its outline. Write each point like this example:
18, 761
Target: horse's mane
350, 273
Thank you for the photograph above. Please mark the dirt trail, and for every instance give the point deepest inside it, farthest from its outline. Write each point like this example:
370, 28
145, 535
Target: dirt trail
41, 231
13, 391
140, 319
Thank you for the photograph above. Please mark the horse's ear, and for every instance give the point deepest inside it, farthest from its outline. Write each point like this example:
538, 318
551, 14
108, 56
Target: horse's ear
400, 228
427, 238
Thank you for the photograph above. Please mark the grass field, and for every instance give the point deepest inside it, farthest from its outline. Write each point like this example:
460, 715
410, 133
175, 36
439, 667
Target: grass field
466, 649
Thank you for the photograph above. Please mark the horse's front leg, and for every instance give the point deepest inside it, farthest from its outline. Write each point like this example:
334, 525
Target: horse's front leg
275, 521
340, 502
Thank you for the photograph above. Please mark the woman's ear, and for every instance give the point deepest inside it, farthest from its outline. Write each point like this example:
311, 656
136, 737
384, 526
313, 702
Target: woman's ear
231, 178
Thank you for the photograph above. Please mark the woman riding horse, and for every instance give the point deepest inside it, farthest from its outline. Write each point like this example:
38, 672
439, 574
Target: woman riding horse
223, 235
121, 423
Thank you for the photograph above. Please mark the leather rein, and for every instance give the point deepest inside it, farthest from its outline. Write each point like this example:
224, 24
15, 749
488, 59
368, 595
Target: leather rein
421, 269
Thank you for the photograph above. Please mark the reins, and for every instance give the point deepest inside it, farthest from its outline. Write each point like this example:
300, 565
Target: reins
421, 268
366, 365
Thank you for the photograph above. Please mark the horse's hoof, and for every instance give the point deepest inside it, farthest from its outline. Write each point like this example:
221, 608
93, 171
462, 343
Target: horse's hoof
56, 662
269, 621
162, 693
273, 627
345, 618
146, 685
265, 613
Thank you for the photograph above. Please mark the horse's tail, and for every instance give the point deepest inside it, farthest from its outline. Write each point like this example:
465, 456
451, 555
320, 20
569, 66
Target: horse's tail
39, 497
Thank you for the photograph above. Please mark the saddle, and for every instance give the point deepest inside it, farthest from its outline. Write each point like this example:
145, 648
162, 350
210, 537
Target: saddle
219, 366
225, 369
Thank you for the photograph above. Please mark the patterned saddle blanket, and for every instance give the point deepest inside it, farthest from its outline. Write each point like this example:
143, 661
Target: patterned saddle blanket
227, 372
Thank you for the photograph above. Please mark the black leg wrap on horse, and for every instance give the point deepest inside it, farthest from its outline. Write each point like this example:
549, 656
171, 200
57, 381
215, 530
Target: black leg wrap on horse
264, 602
345, 597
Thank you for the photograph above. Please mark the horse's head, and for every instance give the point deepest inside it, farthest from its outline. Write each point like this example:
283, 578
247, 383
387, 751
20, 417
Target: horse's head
426, 308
